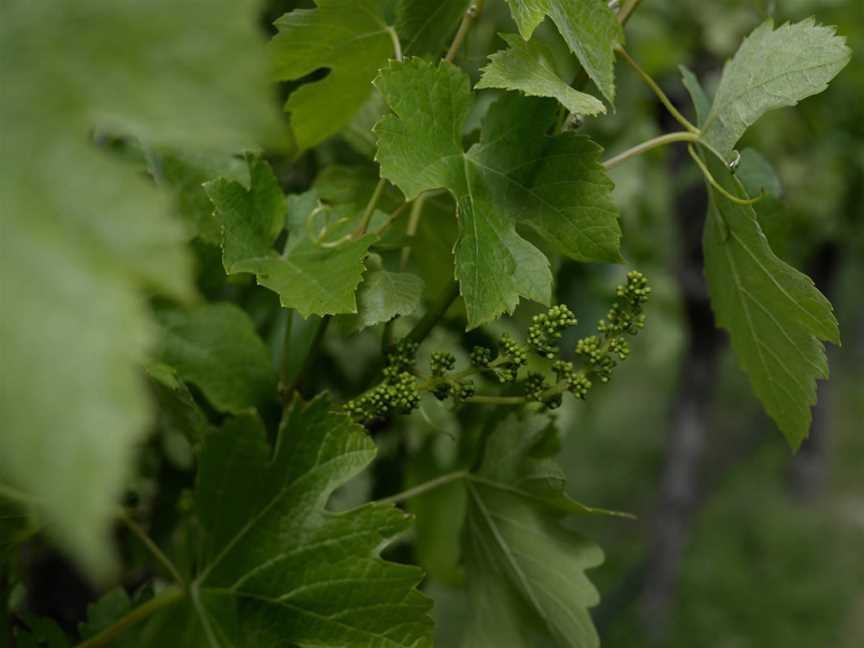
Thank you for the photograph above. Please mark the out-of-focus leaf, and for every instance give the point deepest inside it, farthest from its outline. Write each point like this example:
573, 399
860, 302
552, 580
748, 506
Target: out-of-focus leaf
383, 295
85, 240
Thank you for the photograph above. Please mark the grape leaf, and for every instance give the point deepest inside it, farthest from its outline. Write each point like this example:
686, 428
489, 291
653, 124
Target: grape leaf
525, 572
774, 314
590, 28
352, 39
514, 175
279, 569
216, 347
383, 295
85, 239
528, 67
308, 276
426, 26
186, 173
700, 99
772, 69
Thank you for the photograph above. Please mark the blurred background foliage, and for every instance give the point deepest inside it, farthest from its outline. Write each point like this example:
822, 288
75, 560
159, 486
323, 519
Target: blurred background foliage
738, 543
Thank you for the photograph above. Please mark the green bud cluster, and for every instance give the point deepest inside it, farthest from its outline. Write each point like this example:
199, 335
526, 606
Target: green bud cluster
396, 395
545, 331
601, 354
442, 362
481, 357
577, 382
465, 389
514, 357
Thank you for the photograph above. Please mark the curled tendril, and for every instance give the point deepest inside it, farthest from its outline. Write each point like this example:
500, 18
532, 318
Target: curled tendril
319, 237
720, 189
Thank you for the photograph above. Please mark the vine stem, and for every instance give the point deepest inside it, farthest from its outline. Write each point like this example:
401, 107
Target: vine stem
639, 149
370, 209
468, 19
152, 547
425, 487
496, 400
166, 598
681, 119
627, 10
435, 313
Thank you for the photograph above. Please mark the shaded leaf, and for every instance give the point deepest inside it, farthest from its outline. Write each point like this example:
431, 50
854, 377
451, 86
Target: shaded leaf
349, 38
514, 175
774, 314
525, 571
427, 26
772, 69
216, 347
277, 568
528, 67
384, 295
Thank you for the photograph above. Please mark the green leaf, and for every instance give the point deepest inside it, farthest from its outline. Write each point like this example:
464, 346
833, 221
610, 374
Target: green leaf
528, 67
216, 347
87, 240
525, 571
774, 314
384, 295
515, 175
352, 39
427, 26
278, 568
185, 174
590, 28
309, 276
701, 101
772, 69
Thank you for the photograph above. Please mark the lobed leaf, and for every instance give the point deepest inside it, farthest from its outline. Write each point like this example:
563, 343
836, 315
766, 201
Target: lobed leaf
528, 67
309, 276
775, 316
525, 572
352, 40
515, 175
276, 567
590, 28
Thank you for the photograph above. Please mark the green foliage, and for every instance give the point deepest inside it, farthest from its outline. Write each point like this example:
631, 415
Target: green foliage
524, 570
589, 27
327, 37
216, 348
85, 239
148, 178
311, 275
274, 563
772, 68
553, 185
529, 68
775, 315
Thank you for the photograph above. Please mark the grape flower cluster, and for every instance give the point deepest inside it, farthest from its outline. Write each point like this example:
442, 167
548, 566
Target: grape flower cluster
596, 356
396, 394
